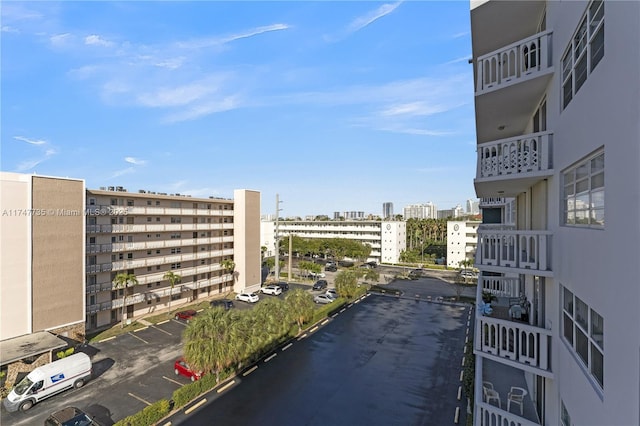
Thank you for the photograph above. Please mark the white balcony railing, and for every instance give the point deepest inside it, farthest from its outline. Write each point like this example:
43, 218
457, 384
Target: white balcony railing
490, 415
514, 249
489, 202
501, 286
515, 62
519, 342
515, 156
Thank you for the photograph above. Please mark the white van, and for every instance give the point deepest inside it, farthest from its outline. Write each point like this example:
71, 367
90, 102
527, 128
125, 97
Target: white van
48, 380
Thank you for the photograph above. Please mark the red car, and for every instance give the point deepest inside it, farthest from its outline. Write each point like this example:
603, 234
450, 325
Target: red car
186, 315
181, 367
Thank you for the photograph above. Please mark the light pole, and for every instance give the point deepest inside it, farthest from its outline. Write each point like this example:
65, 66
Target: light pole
277, 238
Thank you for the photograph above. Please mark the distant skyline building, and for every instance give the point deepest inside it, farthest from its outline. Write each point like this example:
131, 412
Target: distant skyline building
473, 206
387, 210
420, 211
455, 212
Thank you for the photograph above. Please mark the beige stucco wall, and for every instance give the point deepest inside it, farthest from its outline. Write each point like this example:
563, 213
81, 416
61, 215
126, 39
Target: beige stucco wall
58, 253
15, 255
246, 239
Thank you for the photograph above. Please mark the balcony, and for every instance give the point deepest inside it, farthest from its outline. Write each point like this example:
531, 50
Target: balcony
514, 343
514, 251
492, 202
502, 378
514, 63
510, 166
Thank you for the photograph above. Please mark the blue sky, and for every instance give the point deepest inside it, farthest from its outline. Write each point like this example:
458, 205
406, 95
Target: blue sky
335, 106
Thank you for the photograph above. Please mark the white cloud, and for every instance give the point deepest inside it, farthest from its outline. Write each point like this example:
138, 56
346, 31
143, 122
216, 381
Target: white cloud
30, 141
217, 41
9, 29
180, 95
96, 40
28, 165
200, 110
413, 109
135, 161
123, 172
172, 64
364, 20
60, 40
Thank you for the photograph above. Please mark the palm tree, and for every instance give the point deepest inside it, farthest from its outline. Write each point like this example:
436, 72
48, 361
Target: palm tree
173, 280
123, 281
300, 305
228, 266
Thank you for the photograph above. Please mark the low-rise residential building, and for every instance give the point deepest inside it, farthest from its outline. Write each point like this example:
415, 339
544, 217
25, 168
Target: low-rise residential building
386, 238
462, 240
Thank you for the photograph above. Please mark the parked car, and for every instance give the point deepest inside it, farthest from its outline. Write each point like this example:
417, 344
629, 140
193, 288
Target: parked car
320, 284
331, 267
273, 289
187, 315
331, 292
468, 274
248, 297
180, 367
223, 303
70, 416
323, 299
283, 285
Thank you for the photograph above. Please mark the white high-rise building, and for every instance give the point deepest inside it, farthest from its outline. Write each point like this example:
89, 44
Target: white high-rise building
557, 105
420, 211
387, 210
473, 207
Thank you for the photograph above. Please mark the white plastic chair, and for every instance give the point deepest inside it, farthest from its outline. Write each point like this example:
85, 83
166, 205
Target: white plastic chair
490, 393
516, 395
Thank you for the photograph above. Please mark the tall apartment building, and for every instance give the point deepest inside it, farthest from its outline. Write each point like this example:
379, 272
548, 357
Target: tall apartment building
387, 210
454, 212
41, 268
148, 234
388, 239
420, 211
557, 105
473, 207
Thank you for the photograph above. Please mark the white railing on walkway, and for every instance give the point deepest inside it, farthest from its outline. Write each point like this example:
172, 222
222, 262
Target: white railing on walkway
515, 341
514, 249
513, 156
515, 62
501, 286
490, 415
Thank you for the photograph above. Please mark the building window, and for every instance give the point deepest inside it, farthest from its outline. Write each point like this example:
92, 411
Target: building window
148, 218
565, 418
583, 330
176, 250
176, 219
584, 192
148, 202
130, 203
585, 51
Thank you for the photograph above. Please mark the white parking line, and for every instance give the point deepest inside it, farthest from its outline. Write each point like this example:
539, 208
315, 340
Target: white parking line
287, 347
303, 336
193, 407
251, 370
313, 329
139, 399
270, 358
107, 339
457, 416
163, 322
459, 392
461, 375
171, 380
164, 331
462, 364
324, 322
225, 387
343, 309
139, 338
334, 315
140, 329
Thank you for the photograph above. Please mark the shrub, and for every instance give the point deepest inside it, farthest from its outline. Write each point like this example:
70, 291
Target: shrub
148, 416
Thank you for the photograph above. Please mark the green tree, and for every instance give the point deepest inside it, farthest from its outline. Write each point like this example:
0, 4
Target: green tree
173, 280
372, 276
228, 267
346, 283
124, 281
300, 305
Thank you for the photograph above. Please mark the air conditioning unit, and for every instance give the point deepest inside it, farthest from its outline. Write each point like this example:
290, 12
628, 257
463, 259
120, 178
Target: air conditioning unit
142, 191
112, 188
103, 188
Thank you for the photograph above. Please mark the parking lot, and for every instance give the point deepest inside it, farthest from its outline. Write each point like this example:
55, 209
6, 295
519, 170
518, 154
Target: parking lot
135, 369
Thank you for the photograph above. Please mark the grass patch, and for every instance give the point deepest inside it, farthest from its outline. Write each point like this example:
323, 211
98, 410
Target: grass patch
115, 330
385, 290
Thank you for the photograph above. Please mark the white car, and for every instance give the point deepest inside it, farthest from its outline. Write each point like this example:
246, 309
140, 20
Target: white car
271, 289
332, 293
317, 275
247, 297
323, 298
